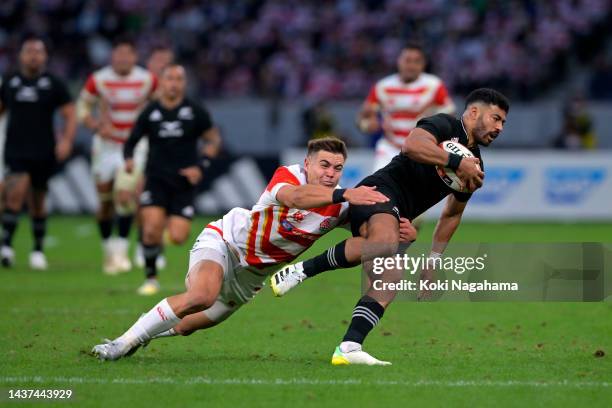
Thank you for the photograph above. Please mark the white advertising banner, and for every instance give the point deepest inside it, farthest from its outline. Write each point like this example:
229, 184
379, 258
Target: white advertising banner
543, 185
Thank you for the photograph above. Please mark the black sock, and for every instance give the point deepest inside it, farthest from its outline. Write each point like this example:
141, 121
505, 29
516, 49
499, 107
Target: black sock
39, 229
151, 252
333, 258
106, 228
9, 225
366, 314
125, 223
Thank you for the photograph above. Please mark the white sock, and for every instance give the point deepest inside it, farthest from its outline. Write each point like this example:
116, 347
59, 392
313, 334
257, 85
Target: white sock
167, 333
348, 346
122, 245
157, 320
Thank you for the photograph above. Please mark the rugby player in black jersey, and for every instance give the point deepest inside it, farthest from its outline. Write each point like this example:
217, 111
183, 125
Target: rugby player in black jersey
412, 184
173, 124
31, 96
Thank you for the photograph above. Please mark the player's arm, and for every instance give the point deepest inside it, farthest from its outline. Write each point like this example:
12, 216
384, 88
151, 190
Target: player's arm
68, 132
447, 223
212, 142
86, 104
443, 103
422, 146
138, 131
367, 118
312, 196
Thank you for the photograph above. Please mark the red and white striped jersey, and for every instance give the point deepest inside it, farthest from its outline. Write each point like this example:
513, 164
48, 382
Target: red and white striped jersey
271, 233
403, 104
121, 97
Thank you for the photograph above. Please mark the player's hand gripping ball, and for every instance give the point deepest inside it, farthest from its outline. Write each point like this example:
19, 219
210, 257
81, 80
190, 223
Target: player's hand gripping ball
448, 175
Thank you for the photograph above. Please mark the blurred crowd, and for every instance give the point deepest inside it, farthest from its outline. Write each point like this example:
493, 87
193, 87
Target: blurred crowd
328, 48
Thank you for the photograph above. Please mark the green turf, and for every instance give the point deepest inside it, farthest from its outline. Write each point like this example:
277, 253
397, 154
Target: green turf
275, 352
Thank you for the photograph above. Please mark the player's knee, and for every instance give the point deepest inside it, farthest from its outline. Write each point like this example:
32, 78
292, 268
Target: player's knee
150, 236
383, 243
177, 237
196, 302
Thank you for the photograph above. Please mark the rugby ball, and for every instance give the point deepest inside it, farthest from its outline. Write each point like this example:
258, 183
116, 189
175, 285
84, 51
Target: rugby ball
448, 175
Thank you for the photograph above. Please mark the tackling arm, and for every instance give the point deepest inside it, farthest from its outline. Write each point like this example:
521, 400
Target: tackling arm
309, 196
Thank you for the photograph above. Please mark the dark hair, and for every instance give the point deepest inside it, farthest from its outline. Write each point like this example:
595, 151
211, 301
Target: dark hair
33, 37
161, 48
124, 40
488, 96
171, 65
329, 144
415, 45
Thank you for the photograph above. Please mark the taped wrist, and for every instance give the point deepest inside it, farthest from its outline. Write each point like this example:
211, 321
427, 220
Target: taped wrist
453, 161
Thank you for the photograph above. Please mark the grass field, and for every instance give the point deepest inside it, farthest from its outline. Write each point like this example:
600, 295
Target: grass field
275, 352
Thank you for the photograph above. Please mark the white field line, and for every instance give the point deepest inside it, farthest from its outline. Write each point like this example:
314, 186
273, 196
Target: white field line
304, 381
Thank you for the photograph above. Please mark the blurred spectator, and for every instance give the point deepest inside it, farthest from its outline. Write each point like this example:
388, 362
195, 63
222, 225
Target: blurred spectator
330, 49
601, 79
577, 131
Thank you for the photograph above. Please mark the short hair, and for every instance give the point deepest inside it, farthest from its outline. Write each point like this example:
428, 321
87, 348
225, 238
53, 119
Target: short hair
33, 37
415, 45
124, 40
172, 65
328, 144
488, 96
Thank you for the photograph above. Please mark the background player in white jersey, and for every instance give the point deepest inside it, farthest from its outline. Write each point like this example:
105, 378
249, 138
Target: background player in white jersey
119, 91
397, 102
233, 256
173, 126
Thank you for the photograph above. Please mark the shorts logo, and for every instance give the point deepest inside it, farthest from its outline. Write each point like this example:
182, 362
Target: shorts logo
396, 211
145, 198
287, 225
188, 211
325, 225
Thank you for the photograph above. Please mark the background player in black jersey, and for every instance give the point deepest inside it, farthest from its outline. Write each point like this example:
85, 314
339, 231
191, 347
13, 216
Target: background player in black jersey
174, 125
31, 97
412, 184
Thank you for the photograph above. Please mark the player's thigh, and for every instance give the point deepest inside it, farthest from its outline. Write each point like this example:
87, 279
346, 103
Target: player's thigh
16, 183
154, 220
178, 228
106, 158
205, 281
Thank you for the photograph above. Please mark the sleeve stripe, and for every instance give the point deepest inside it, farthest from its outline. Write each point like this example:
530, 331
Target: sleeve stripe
283, 175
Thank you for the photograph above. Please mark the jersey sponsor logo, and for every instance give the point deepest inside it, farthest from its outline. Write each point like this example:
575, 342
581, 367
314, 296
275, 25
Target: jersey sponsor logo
44, 83
325, 225
500, 182
572, 185
15, 82
171, 129
185, 113
287, 226
155, 116
27, 94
